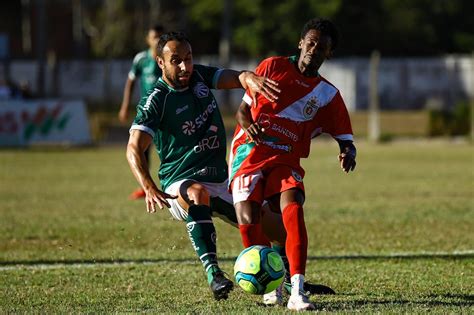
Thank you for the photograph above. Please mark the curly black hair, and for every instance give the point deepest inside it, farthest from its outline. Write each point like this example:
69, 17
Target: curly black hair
326, 27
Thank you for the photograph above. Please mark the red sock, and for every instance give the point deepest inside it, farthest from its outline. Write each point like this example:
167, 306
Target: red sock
296, 238
252, 234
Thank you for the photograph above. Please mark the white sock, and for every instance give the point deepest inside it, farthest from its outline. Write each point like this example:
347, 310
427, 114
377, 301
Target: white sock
297, 282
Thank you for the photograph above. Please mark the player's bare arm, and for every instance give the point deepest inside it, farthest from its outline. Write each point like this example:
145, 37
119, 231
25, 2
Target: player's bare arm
347, 155
231, 79
127, 95
251, 128
138, 142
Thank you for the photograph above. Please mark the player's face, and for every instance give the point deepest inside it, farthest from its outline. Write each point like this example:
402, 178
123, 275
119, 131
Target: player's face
177, 64
315, 48
152, 38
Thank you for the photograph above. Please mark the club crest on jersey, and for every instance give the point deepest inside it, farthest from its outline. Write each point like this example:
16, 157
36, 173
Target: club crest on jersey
188, 128
311, 107
296, 176
201, 90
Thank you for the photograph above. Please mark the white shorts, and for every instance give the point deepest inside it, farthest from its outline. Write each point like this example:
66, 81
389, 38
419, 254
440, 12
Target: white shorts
214, 190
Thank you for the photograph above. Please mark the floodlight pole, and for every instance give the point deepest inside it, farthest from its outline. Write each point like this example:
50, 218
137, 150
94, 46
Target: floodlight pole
374, 118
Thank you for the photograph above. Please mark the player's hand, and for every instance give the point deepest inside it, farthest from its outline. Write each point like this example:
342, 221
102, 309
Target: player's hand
347, 162
254, 133
265, 86
156, 197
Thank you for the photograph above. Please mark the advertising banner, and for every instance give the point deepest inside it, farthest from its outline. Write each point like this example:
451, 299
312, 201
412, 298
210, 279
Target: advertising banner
27, 122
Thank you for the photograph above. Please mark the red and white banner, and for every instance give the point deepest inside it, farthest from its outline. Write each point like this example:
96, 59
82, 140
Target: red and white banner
43, 122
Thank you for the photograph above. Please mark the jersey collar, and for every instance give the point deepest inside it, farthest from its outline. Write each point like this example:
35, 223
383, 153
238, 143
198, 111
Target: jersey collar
294, 60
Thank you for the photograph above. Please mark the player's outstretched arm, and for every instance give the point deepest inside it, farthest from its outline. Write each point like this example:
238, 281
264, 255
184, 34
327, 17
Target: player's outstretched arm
347, 155
138, 142
231, 79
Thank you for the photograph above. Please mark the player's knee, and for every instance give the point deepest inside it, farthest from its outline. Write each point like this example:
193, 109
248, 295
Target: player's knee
247, 213
198, 194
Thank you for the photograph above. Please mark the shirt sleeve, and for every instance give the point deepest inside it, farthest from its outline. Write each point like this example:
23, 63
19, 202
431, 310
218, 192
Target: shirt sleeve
209, 75
149, 114
135, 69
263, 69
334, 119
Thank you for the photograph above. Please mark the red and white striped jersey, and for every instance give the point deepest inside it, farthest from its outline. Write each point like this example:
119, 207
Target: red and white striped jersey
306, 107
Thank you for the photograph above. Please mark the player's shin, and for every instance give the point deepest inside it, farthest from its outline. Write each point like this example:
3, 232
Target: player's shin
296, 239
252, 234
202, 235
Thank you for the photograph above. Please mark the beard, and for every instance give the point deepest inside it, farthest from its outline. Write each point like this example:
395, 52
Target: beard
312, 64
174, 80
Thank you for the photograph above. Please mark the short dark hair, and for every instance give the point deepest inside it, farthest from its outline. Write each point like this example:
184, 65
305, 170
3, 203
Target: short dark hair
326, 27
157, 28
166, 37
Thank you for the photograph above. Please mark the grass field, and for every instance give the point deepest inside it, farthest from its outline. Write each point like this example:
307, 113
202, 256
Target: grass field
395, 236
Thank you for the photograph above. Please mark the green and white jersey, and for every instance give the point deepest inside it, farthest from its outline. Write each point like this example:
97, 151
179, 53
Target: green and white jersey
145, 68
187, 129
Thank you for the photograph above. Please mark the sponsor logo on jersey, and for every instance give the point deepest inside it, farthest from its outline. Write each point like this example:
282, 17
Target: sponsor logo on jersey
209, 143
188, 128
284, 147
285, 132
264, 121
181, 109
201, 90
296, 176
302, 83
311, 107
208, 170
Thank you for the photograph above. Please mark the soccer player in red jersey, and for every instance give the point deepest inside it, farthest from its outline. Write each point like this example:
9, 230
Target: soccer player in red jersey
273, 136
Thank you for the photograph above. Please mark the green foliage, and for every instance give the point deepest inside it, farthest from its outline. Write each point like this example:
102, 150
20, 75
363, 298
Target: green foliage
112, 38
264, 27
454, 122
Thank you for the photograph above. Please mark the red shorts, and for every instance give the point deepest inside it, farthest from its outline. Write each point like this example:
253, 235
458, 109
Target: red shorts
264, 183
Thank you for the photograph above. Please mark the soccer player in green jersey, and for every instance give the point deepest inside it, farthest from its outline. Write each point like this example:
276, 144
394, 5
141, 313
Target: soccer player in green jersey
145, 68
180, 116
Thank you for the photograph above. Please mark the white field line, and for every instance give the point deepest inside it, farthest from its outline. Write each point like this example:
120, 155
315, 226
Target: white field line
131, 262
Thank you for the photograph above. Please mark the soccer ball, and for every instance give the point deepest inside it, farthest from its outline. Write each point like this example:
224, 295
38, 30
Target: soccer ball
259, 269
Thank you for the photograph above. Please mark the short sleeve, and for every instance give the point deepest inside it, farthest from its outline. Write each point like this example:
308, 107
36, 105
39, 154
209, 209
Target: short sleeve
149, 113
334, 119
209, 75
263, 69
135, 69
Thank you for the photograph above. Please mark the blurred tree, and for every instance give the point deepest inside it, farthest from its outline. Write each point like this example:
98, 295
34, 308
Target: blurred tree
260, 27
406, 27
112, 29
265, 27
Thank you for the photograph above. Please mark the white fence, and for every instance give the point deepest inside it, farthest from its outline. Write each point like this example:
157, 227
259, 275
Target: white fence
405, 83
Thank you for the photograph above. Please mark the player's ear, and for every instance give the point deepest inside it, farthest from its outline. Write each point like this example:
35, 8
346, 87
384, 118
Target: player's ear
300, 44
160, 62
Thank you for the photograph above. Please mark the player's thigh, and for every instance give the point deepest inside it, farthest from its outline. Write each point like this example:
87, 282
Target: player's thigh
248, 187
280, 179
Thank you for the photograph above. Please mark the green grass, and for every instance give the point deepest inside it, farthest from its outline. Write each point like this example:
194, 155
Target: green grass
413, 199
